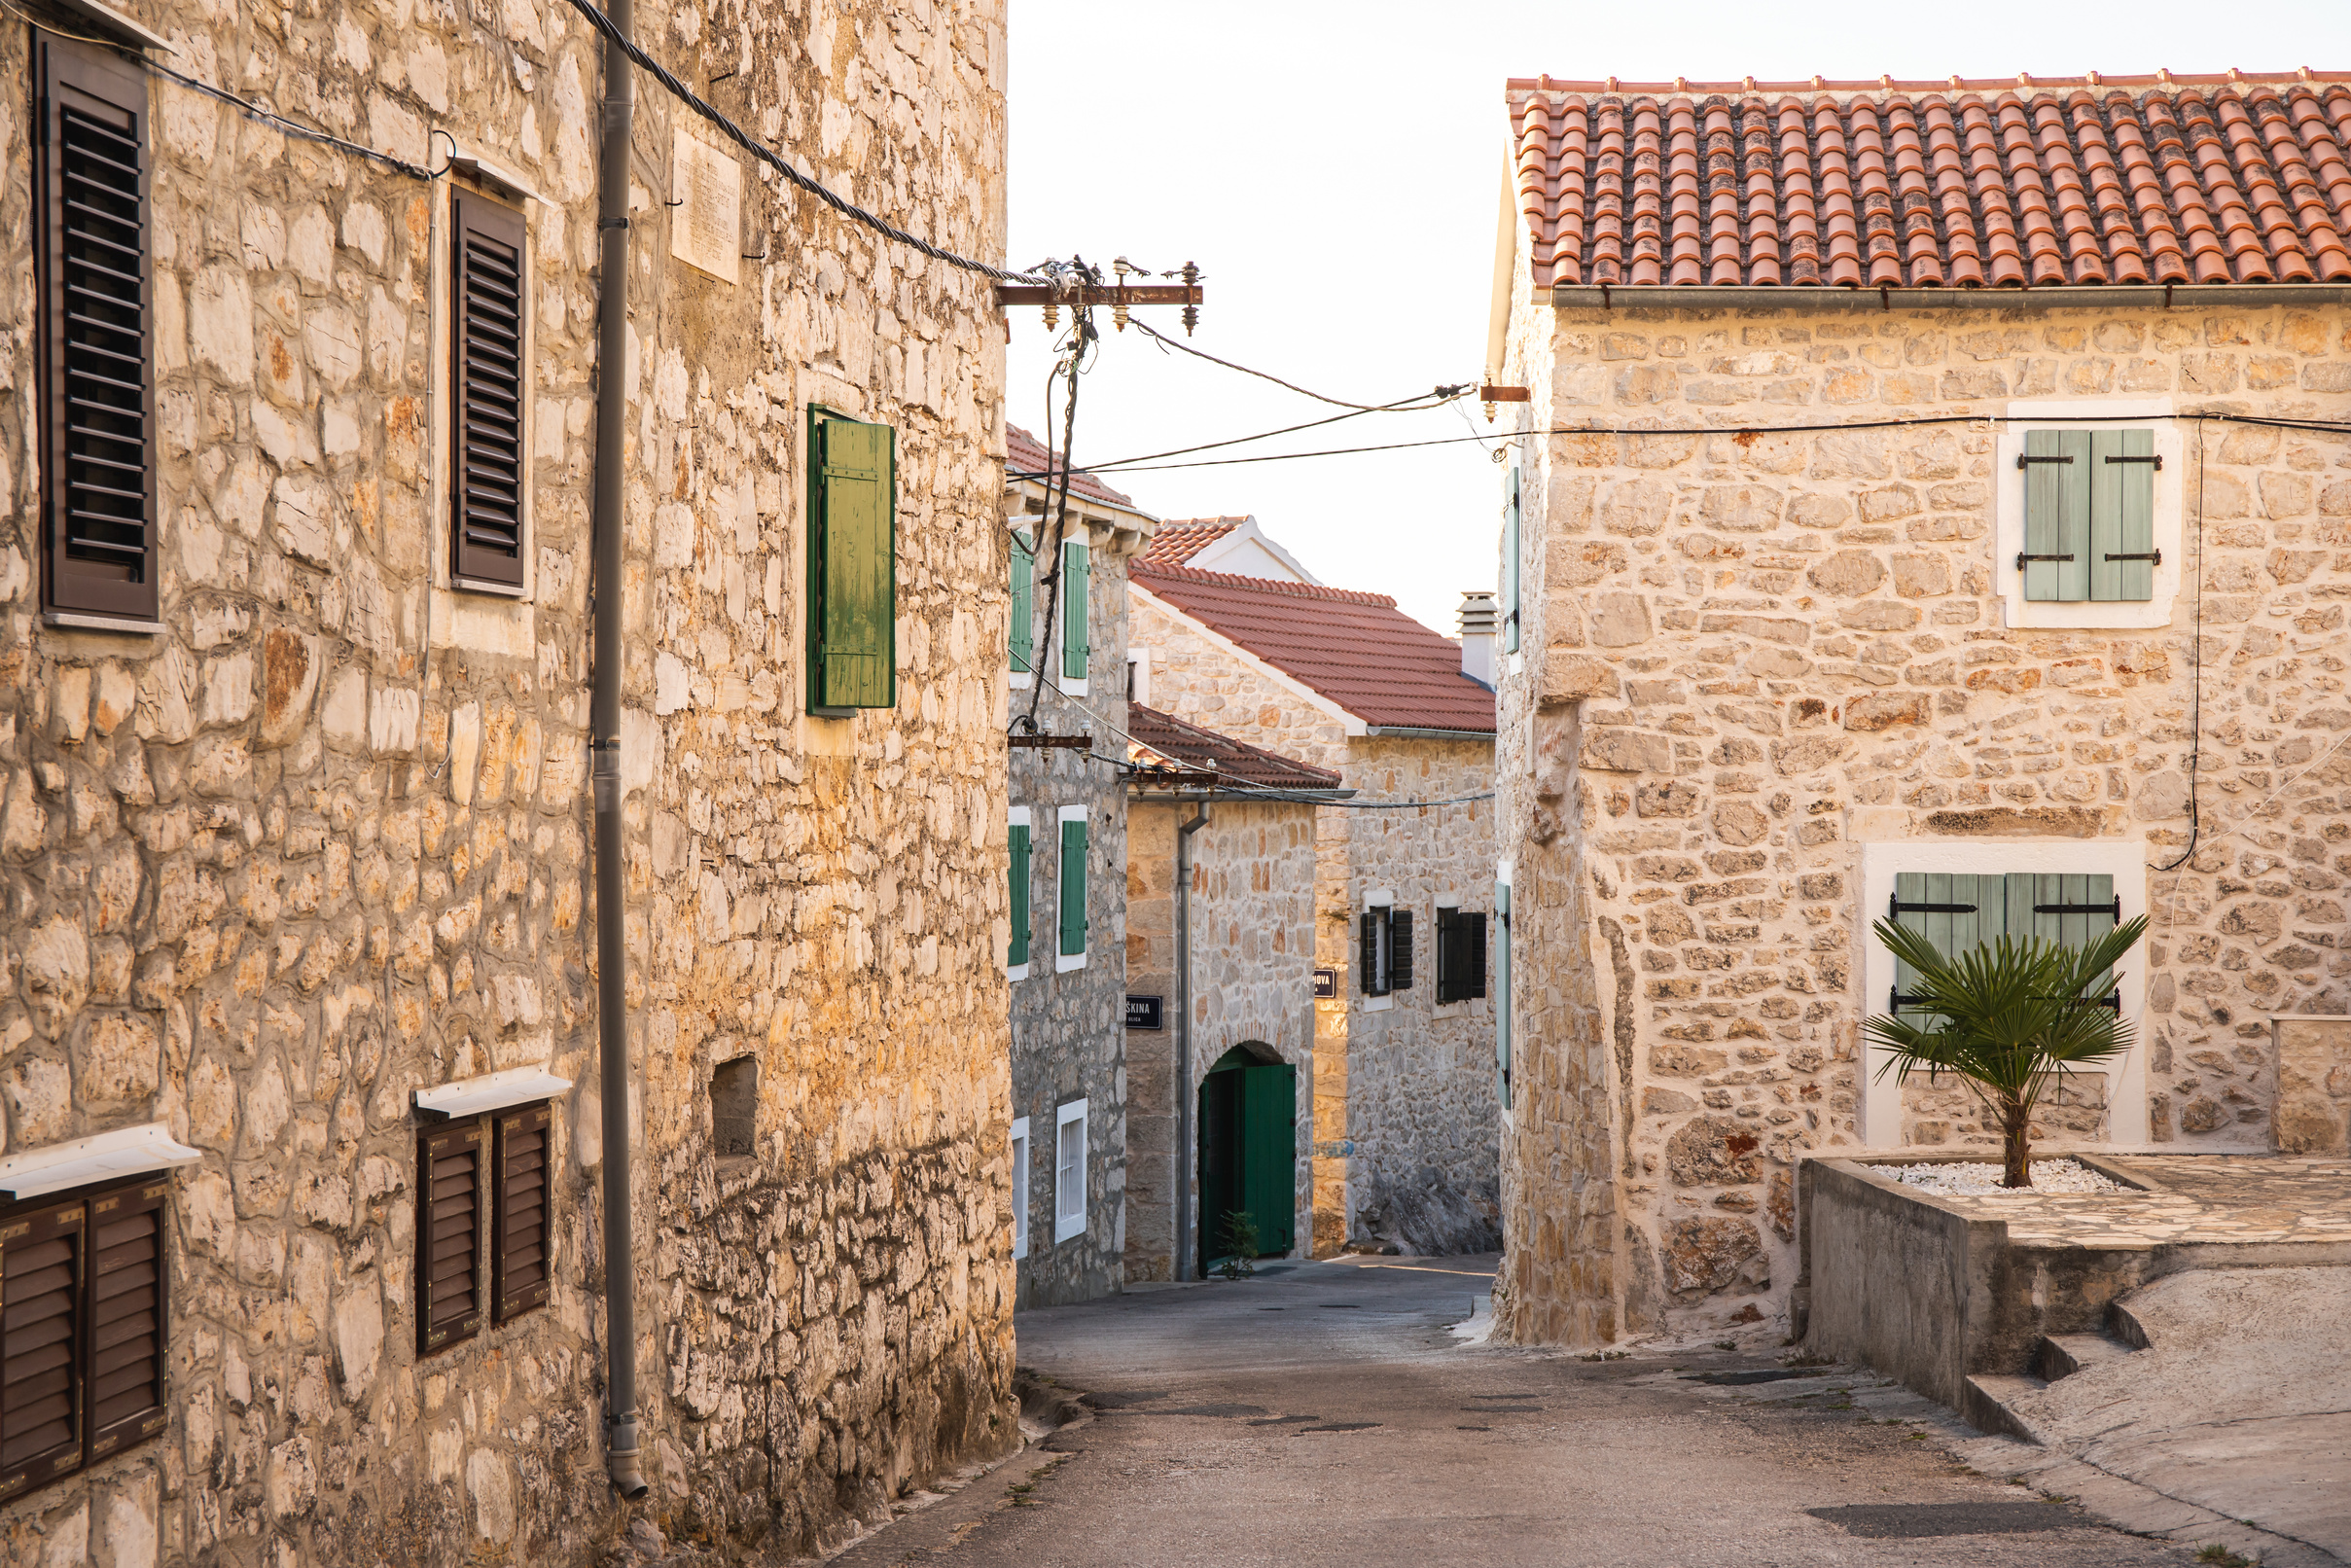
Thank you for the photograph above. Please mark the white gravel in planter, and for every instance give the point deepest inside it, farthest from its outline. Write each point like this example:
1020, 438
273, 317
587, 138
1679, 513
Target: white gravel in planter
1972, 1179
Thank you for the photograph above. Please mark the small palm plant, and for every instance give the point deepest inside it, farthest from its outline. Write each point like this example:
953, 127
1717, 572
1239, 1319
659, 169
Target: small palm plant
2007, 1018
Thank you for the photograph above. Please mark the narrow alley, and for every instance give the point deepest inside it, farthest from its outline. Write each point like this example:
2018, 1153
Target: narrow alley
1333, 1413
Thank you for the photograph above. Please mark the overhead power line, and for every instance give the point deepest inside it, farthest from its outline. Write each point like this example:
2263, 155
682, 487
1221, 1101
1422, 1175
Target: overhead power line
1262, 376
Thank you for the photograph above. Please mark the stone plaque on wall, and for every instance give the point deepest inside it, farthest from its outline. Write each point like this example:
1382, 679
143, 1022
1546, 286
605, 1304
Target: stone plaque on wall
707, 227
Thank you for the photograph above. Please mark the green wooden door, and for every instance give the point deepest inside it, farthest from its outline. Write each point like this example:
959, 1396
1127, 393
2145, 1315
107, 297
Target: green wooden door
1270, 1154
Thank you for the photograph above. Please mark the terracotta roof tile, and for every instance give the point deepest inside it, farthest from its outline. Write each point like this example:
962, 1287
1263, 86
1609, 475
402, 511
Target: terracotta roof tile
2209, 179
1179, 539
1024, 454
1356, 649
1165, 744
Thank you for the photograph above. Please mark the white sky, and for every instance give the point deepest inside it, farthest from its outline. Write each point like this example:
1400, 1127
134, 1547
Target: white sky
1335, 170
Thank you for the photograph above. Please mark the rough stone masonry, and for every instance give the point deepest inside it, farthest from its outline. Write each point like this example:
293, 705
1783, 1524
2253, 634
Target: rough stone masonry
319, 842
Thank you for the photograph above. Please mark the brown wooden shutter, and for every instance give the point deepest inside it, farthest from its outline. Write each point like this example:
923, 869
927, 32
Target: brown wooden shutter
488, 277
1400, 950
451, 1189
42, 1343
126, 1317
523, 1253
98, 486
1367, 954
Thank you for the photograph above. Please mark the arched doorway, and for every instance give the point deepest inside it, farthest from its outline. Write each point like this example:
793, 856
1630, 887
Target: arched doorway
1248, 1152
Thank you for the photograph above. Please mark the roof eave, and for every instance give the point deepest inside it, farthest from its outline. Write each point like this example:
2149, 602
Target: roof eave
2119, 295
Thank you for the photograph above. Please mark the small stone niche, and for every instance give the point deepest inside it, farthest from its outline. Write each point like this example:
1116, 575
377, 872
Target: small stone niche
734, 1107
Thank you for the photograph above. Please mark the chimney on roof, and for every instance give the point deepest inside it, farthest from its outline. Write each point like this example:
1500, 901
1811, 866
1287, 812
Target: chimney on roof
1477, 620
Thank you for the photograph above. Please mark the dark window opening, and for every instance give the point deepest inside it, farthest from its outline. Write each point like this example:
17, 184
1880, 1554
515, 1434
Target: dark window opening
1460, 955
734, 1107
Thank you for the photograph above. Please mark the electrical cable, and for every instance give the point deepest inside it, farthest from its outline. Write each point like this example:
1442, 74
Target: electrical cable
1200, 354
2196, 720
1412, 405
775, 160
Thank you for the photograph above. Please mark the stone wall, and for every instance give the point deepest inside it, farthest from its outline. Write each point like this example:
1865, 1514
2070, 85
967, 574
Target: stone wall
1252, 916
322, 842
2313, 1085
1069, 1035
1747, 655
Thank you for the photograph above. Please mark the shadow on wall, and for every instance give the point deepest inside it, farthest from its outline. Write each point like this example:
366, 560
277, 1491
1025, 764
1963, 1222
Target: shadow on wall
1431, 1216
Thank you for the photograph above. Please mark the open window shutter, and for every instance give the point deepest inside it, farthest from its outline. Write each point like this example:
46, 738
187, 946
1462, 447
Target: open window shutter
1400, 950
126, 1317
523, 1252
2123, 515
1448, 958
1017, 952
1368, 959
1025, 606
452, 1186
1510, 564
1075, 596
1954, 913
99, 481
2076, 910
2056, 515
1472, 949
857, 567
490, 280
1073, 888
1502, 997
42, 1345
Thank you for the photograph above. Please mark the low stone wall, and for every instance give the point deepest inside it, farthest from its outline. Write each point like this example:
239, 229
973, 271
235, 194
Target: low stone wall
2313, 1115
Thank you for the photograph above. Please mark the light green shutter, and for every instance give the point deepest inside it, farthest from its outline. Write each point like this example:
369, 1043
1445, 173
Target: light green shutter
853, 566
2076, 910
1073, 888
2121, 515
1025, 606
1954, 913
1510, 564
2056, 515
1075, 597
1017, 841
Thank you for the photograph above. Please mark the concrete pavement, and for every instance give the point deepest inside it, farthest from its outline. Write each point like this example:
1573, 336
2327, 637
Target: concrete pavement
1329, 1414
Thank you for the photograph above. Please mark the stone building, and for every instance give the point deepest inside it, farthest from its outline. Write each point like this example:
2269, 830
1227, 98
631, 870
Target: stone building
1931, 498
1065, 953
298, 973
1219, 958
1404, 1083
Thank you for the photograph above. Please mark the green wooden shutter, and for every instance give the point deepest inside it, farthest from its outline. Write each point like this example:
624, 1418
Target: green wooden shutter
1510, 564
1017, 841
1073, 888
1954, 913
1270, 1155
2076, 910
2056, 515
2121, 515
1025, 606
1074, 600
853, 566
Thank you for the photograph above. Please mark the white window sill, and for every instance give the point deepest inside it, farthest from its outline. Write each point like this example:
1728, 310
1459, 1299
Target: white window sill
1063, 963
1077, 688
1377, 1004
85, 1162
1016, 972
1023, 682
83, 620
1064, 1230
491, 1091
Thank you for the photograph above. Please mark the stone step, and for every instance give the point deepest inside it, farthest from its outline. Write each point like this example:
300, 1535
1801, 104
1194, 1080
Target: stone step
2062, 1355
2123, 1326
1987, 1403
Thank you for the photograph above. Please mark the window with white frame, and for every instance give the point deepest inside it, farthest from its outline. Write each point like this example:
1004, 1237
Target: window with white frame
2089, 505
1069, 1171
1069, 952
1019, 1187
1958, 895
1019, 852
1138, 675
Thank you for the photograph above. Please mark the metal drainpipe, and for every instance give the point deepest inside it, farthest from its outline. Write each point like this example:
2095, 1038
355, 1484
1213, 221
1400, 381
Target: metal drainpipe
621, 1453
1183, 1071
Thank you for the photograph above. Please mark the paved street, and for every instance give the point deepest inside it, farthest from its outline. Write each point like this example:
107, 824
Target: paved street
1326, 1415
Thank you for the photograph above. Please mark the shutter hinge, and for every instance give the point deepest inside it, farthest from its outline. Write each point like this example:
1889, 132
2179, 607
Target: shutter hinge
2022, 558
2155, 556
2157, 461
2023, 460
1897, 1000
1896, 908
2115, 908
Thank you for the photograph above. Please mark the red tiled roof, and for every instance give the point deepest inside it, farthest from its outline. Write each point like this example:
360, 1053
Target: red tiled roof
1160, 739
1179, 539
1024, 454
1356, 649
2165, 179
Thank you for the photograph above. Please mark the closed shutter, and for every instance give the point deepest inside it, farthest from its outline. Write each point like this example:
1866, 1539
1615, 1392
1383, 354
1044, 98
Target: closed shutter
854, 562
1400, 950
523, 1250
1075, 596
489, 280
1373, 922
2076, 910
1510, 564
1016, 953
126, 1315
98, 483
2123, 515
1954, 912
452, 1186
1025, 606
42, 1407
1502, 997
1073, 888
1472, 982
2056, 514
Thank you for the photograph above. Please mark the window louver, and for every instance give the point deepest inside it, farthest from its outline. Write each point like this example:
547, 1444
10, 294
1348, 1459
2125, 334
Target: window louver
41, 1346
1400, 950
487, 342
127, 1288
522, 1249
451, 1186
100, 476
